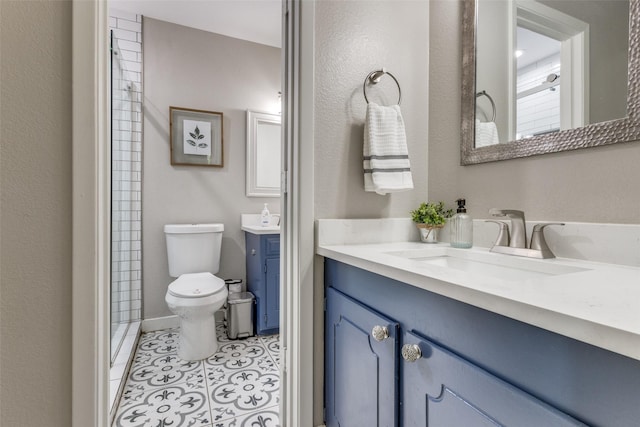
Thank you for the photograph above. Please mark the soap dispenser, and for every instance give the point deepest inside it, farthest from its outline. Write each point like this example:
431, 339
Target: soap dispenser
265, 216
461, 226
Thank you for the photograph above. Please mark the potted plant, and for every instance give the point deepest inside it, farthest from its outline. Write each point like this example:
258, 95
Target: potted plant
429, 217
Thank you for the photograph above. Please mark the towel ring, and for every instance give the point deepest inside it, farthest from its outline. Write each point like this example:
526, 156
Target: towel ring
374, 78
493, 104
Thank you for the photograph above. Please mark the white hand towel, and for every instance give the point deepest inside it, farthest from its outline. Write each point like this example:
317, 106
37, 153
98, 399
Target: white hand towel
486, 134
386, 158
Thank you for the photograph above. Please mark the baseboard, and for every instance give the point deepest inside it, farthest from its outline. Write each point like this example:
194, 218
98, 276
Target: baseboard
160, 323
170, 322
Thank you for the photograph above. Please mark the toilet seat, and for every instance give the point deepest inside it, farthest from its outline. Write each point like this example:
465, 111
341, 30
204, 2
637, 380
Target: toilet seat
196, 285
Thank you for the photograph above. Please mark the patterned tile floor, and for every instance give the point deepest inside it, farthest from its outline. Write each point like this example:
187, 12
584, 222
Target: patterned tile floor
236, 387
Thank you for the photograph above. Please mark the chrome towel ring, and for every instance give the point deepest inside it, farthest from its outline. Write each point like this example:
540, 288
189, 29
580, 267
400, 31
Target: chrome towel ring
374, 78
493, 104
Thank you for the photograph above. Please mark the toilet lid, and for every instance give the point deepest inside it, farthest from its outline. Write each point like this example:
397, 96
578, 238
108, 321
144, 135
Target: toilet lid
196, 285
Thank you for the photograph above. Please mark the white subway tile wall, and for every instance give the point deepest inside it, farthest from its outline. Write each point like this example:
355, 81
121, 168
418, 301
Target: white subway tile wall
126, 169
539, 112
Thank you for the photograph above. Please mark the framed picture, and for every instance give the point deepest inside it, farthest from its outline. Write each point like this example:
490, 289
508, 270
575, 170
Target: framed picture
195, 137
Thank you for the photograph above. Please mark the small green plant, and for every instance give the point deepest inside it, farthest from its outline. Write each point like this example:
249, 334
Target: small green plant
431, 213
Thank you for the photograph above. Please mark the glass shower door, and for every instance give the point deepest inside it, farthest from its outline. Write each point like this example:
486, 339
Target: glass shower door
125, 205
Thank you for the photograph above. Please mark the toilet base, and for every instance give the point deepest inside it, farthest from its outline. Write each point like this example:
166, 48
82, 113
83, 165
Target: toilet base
197, 339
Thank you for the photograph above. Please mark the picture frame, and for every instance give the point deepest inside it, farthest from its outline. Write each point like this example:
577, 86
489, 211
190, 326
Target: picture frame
196, 137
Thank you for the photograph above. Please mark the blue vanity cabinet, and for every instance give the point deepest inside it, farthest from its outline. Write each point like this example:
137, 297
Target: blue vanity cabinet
441, 389
263, 279
477, 367
361, 372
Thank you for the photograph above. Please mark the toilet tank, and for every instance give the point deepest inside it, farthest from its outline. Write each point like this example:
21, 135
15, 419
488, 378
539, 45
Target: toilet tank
193, 248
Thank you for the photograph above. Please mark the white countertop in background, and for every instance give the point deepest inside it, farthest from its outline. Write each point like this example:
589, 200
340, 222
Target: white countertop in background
251, 224
599, 304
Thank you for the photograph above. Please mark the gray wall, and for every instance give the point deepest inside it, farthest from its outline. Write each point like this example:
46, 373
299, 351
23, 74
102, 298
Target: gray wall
35, 213
352, 39
189, 68
591, 185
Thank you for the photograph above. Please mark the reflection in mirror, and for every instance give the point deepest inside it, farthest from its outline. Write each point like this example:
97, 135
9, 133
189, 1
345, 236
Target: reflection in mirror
546, 76
263, 154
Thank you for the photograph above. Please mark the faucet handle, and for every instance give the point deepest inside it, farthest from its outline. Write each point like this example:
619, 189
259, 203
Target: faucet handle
538, 241
503, 234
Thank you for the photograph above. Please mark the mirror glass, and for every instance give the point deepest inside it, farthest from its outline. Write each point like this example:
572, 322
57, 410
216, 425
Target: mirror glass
539, 76
263, 154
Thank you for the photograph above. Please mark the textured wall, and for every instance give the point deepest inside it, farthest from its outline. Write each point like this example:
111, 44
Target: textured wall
35, 213
190, 68
591, 185
352, 39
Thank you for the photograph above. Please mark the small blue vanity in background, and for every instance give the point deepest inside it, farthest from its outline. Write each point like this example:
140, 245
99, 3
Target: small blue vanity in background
263, 274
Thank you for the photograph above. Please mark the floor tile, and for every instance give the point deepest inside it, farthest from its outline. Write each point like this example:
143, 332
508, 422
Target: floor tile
242, 392
160, 342
236, 387
272, 343
265, 418
159, 371
240, 354
183, 404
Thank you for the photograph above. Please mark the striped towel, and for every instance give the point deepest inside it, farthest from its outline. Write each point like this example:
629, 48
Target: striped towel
386, 158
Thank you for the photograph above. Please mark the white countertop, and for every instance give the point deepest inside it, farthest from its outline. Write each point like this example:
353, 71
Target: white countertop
598, 304
257, 229
251, 224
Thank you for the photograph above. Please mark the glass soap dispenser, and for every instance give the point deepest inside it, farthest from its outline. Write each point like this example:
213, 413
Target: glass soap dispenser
461, 226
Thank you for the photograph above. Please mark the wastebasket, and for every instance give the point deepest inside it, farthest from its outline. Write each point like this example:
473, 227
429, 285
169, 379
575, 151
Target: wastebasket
240, 315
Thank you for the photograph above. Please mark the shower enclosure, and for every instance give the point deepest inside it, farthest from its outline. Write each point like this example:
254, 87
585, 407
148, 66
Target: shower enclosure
126, 207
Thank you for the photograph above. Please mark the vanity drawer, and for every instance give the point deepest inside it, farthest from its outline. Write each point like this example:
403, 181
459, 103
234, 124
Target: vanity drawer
271, 245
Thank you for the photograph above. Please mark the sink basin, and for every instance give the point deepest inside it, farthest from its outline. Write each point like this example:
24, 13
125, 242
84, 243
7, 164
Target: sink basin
503, 267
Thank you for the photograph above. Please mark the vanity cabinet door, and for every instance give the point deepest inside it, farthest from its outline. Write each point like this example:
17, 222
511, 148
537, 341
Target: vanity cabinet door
361, 371
263, 280
271, 318
441, 389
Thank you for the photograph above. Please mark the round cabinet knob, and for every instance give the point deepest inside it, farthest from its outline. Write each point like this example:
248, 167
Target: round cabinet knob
380, 333
253, 252
411, 352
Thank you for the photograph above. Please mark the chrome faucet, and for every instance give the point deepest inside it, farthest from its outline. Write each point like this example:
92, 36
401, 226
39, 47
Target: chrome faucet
515, 243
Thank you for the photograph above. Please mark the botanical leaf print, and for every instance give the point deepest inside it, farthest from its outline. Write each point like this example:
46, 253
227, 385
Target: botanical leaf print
197, 138
197, 135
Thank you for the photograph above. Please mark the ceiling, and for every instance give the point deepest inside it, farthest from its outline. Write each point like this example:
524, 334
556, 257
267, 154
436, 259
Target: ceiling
535, 46
258, 21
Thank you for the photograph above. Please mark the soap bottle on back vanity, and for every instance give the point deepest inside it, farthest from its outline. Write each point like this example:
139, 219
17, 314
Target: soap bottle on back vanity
461, 226
265, 216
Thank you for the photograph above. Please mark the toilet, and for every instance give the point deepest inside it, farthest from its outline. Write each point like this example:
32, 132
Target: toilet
193, 251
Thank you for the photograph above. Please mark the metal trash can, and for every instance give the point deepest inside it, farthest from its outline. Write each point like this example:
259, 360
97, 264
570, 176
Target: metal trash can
240, 315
